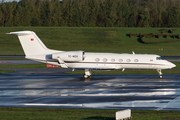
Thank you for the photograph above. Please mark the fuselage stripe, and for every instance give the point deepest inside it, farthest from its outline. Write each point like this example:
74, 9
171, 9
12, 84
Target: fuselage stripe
112, 63
101, 63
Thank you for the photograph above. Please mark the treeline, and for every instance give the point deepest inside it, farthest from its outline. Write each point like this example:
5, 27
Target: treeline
91, 13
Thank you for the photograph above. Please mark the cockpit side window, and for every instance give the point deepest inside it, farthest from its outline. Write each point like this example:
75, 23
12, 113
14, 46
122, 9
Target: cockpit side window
159, 58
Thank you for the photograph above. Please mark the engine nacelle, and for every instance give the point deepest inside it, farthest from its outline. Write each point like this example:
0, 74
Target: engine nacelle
69, 56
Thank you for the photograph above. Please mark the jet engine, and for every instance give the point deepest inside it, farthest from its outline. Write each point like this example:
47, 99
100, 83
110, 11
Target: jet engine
69, 56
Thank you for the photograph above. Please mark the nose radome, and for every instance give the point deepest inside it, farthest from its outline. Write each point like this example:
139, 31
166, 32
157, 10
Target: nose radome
172, 65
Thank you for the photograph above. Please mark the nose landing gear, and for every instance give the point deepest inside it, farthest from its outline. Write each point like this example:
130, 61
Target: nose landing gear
160, 74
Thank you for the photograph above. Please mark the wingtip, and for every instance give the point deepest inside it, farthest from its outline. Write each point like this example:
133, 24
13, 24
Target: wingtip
20, 33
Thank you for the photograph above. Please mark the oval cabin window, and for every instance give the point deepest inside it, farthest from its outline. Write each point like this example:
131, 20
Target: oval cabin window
97, 59
105, 60
113, 60
120, 60
136, 60
128, 60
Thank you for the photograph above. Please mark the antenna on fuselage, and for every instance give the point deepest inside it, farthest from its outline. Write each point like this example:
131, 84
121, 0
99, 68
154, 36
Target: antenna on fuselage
133, 53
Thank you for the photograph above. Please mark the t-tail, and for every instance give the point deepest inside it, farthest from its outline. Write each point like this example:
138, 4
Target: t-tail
33, 47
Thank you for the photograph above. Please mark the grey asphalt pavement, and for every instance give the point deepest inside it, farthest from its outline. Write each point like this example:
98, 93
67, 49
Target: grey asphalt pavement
137, 92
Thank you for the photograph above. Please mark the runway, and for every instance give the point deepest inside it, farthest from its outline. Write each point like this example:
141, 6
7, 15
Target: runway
43, 89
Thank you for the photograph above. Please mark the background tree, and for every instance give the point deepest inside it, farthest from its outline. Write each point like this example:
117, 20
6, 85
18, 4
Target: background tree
174, 16
94, 7
91, 13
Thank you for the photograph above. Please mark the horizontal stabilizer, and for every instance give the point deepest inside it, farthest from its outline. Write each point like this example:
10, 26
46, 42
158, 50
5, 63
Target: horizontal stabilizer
21, 33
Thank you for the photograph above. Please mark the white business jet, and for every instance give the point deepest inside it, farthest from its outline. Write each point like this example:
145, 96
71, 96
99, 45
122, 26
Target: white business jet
34, 49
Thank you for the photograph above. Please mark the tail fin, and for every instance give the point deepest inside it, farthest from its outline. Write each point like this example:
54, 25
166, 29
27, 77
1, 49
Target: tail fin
31, 43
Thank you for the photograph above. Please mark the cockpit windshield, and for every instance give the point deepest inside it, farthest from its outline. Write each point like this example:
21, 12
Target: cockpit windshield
159, 58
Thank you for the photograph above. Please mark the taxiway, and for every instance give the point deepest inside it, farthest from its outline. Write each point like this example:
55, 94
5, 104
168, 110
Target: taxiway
47, 89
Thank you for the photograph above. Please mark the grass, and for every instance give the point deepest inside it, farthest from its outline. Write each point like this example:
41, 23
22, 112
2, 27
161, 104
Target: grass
6, 71
13, 59
20, 66
89, 39
134, 45
155, 115
80, 114
23, 66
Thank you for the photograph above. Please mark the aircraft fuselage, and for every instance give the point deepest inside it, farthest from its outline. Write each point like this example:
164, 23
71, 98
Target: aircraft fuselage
119, 61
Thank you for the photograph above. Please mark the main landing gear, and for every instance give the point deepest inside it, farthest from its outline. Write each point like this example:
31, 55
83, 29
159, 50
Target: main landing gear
87, 74
160, 74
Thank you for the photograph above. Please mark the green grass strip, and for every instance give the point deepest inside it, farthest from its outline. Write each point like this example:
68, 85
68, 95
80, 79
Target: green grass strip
13, 59
23, 66
80, 114
7, 71
96, 39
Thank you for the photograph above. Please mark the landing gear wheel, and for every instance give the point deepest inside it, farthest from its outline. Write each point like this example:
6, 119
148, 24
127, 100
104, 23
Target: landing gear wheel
160, 76
87, 74
86, 77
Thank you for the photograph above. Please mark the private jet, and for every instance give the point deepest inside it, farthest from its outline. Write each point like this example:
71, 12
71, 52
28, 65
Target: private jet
35, 49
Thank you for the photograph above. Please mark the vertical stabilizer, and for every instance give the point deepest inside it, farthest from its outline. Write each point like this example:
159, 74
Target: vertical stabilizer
31, 43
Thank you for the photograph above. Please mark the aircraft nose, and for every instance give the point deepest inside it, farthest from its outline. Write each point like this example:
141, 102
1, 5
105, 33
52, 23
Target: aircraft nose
172, 65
